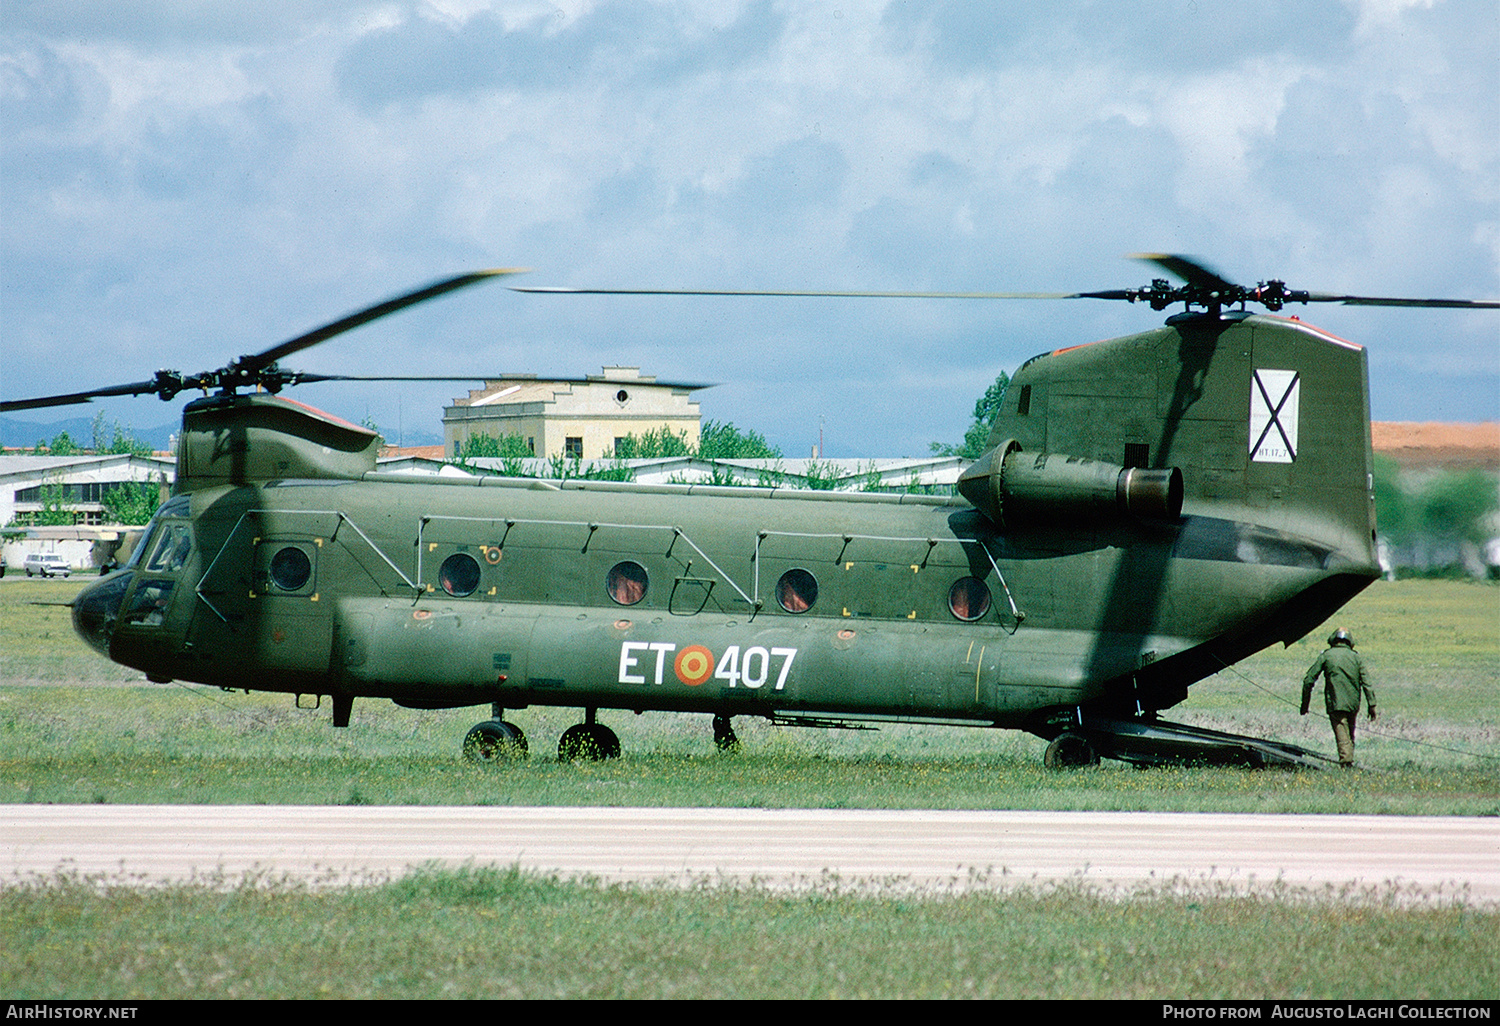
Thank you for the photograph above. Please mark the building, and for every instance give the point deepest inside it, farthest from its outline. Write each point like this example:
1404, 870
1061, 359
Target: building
79, 483
30, 484
577, 418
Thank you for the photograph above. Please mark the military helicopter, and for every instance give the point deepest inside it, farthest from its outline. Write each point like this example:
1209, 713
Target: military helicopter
1150, 510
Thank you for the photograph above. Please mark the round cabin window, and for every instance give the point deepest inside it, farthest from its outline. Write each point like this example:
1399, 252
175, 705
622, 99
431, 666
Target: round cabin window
459, 574
969, 598
797, 591
290, 568
626, 582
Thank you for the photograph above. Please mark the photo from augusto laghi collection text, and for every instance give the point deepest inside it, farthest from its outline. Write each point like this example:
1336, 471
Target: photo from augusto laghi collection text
1327, 1010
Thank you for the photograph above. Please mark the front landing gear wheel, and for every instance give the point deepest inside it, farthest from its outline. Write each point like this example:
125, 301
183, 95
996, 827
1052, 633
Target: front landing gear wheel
1070, 751
494, 741
588, 741
724, 737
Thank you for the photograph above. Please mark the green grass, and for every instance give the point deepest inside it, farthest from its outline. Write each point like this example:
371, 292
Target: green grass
498, 933
135, 746
37, 642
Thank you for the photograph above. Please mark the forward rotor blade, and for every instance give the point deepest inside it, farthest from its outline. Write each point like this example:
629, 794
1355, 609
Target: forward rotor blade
245, 372
300, 378
368, 314
1189, 269
137, 388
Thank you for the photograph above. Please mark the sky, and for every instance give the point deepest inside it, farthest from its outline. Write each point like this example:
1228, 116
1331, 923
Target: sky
182, 182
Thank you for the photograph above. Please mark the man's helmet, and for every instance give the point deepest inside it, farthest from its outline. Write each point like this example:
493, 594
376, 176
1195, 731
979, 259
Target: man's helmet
1340, 637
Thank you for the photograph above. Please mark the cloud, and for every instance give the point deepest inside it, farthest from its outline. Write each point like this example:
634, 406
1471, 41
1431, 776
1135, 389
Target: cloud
631, 43
183, 182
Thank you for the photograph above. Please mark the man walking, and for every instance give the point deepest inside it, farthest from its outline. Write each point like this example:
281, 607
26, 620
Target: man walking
1344, 680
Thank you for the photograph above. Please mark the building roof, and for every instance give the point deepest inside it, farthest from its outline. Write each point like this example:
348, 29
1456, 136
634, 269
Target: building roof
529, 388
30, 466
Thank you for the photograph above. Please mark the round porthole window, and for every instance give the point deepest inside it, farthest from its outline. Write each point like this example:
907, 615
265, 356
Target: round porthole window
626, 582
290, 568
459, 574
969, 598
797, 591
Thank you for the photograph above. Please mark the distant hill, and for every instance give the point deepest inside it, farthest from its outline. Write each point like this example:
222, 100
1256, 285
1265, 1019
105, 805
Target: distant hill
16, 433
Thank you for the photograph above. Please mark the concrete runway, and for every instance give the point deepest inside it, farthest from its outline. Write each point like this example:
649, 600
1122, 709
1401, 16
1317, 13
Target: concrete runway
1434, 858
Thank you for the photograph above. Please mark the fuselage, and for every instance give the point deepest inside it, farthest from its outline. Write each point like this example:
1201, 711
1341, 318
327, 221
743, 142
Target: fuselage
450, 592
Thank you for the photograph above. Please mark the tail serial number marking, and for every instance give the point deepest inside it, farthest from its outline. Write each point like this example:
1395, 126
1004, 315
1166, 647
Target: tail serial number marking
752, 667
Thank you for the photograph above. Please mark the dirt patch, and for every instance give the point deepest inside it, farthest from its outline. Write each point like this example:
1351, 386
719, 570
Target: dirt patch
1446, 446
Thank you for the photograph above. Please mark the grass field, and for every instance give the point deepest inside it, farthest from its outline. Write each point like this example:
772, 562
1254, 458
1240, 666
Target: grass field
1434, 647
74, 728
502, 934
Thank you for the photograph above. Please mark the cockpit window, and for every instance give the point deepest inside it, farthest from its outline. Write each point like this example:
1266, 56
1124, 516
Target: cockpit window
148, 606
173, 543
174, 508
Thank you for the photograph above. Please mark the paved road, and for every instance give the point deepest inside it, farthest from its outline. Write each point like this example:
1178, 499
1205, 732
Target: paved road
1442, 856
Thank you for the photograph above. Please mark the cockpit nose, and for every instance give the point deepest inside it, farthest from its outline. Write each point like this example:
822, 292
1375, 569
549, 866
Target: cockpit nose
96, 610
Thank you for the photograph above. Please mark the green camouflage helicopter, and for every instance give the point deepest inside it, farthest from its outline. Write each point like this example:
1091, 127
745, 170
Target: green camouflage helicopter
1150, 510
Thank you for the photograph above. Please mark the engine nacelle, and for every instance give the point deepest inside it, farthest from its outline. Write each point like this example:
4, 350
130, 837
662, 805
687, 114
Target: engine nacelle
232, 439
1013, 488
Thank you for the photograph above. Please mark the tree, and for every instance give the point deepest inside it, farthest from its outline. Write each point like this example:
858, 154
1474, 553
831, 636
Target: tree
654, 444
1456, 505
492, 447
716, 441
986, 409
726, 442
511, 450
1393, 516
131, 502
63, 445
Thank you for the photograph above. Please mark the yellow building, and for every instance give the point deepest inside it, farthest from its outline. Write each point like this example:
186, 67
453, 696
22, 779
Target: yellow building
580, 418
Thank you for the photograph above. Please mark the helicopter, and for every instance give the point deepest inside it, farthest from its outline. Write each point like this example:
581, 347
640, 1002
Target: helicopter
1149, 511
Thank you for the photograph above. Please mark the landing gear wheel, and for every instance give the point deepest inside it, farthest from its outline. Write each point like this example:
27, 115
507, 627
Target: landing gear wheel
588, 741
724, 736
494, 741
1070, 751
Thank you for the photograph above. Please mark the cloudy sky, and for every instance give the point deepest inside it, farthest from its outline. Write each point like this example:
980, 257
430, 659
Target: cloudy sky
185, 181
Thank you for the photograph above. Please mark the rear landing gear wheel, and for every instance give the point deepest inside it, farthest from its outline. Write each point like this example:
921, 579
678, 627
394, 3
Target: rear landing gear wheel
494, 741
592, 742
1070, 751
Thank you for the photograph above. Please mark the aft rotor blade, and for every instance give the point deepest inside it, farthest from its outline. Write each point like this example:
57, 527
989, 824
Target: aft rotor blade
1452, 304
368, 314
814, 294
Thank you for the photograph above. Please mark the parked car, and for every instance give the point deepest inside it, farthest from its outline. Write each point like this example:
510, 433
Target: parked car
48, 564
